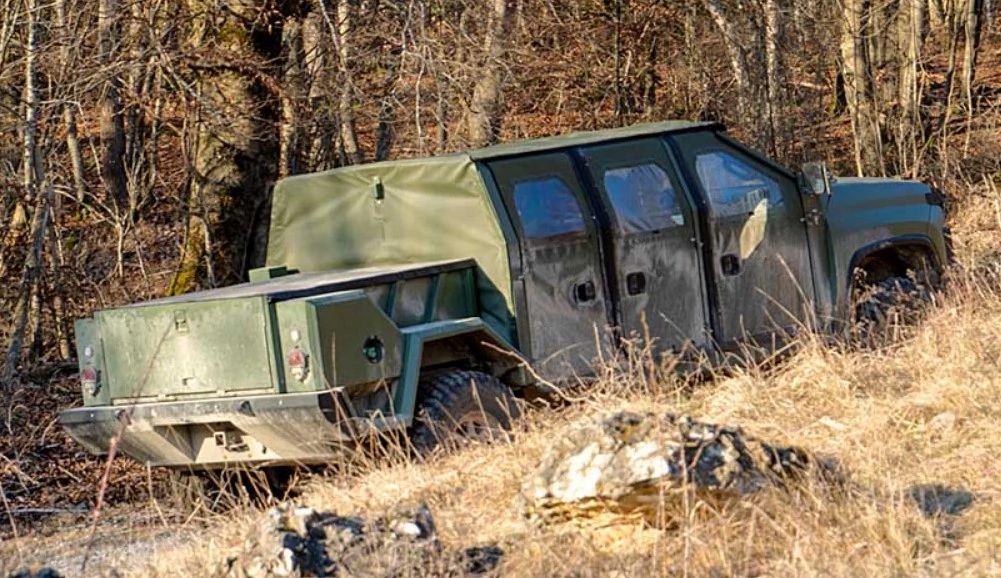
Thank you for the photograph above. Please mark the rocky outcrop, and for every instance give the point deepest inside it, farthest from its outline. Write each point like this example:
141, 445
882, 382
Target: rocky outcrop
298, 541
644, 463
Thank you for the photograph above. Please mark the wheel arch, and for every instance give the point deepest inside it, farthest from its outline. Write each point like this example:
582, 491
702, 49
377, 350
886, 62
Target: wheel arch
893, 256
450, 344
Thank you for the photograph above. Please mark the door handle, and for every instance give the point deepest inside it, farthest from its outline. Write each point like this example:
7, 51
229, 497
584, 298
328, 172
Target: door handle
636, 283
730, 264
584, 292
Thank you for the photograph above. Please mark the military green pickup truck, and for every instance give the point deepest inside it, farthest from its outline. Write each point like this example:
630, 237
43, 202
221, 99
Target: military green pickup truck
423, 296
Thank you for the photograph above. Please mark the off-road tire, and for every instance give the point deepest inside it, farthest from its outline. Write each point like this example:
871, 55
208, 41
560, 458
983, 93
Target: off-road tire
458, 405
889, 302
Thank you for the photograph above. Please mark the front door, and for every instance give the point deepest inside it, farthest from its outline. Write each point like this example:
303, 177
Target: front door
563, 284
656, 261
760, 254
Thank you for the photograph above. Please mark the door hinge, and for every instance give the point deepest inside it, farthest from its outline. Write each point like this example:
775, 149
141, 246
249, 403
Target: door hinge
812, 217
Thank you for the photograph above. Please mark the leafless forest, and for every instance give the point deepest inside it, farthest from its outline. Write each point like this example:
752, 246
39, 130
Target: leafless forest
142, 137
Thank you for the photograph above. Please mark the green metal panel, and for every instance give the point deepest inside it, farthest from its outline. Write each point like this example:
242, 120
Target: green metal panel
454, 298
333, 331
866, 211
293, 329
209, 347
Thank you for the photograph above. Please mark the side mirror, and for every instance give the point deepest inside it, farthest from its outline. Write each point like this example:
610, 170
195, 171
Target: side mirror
814, 179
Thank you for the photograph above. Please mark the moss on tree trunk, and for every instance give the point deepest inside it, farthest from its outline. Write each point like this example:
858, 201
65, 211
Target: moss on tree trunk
235, 154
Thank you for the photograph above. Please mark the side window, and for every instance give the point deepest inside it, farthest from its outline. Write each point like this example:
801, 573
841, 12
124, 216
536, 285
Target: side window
643, 198
547, 208
734, 186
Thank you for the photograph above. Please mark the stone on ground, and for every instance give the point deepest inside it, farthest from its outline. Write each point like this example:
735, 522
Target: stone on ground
652, 465
297, 541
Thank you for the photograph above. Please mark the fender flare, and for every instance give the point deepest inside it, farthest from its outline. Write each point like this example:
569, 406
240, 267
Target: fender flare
414, 340
923, 241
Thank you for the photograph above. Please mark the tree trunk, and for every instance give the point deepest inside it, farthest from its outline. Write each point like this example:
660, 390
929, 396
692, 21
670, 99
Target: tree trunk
233, 160
39, 195
857, 71
345, 52
972, 28
316, 65
294, 90
936, 13
142, 76
341, 34
773, 71
111, 124
910, 37
69, 108
484, 109
735, 52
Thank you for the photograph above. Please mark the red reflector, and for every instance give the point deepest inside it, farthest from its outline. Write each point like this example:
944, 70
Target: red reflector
296, 358
88, 375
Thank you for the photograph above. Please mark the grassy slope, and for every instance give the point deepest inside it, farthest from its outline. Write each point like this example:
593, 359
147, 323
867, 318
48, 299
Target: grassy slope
921, 412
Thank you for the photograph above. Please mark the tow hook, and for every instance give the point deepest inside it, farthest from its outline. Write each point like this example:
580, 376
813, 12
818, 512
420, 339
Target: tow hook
230, 441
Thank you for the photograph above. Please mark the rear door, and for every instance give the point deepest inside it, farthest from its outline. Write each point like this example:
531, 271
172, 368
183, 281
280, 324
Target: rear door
562, 275
656, 257
760, 254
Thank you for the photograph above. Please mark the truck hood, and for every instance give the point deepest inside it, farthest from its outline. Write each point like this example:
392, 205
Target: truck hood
875, 189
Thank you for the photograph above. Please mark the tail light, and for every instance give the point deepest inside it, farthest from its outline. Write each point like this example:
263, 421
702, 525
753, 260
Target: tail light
298, 363
89, 379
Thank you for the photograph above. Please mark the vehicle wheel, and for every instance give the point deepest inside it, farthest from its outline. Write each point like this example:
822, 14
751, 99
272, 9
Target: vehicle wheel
458, 406
893, 301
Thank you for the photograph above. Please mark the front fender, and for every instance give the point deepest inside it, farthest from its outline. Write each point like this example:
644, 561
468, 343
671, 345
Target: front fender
870, 214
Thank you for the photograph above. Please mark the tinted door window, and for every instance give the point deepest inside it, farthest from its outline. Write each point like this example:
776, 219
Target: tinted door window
547, 208
760, 255
643, 198
733, 186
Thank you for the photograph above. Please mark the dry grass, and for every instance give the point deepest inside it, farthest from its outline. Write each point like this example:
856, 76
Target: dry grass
920, 413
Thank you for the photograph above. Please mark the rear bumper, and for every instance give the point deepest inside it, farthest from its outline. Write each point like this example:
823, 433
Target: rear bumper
282, 429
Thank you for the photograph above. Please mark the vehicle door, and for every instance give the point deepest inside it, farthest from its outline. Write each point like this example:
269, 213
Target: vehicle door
656, 265
760, 254
562, 275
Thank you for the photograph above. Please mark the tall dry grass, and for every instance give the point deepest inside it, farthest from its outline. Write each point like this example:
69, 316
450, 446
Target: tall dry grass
913, 423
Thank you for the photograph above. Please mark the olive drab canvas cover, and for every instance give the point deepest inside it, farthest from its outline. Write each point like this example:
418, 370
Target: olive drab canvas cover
392, 213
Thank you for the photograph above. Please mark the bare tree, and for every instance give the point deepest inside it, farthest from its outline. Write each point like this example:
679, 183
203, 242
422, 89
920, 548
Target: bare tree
971, 29
484, 107
112, 122
66, 55
773, 71
911, 31
341, 34
857, 70
27, 309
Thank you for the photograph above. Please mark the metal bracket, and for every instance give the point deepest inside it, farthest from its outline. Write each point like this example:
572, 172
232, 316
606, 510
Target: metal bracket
812, 217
